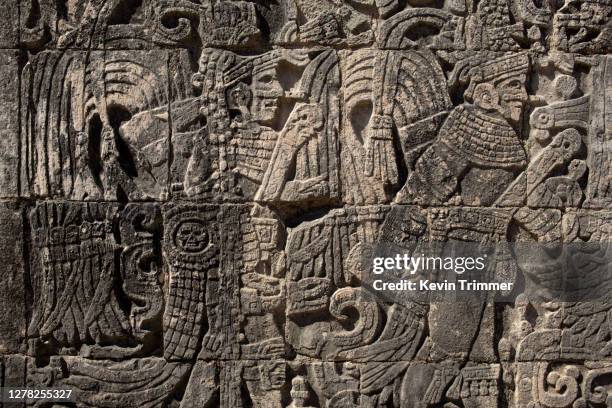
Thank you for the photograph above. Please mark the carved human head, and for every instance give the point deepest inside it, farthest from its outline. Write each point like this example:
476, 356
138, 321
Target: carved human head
499, 85
266, 94
266, 89
512, 97
243, 82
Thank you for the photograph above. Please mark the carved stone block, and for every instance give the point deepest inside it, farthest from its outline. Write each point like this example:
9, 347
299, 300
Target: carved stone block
207, 202
225, 283
9, 124
13, 281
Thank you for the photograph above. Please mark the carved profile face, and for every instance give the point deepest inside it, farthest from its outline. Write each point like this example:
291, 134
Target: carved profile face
266, 93
191, 236
512, 96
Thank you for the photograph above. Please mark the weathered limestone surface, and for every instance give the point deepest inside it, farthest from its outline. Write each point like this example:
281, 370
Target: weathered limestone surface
194, 192
9, 123
12, 281
9, 25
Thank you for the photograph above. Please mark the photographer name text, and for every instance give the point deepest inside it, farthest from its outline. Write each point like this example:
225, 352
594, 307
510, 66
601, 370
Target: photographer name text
412, 265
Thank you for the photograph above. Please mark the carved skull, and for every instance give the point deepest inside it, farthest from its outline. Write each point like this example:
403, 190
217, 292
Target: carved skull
191, 236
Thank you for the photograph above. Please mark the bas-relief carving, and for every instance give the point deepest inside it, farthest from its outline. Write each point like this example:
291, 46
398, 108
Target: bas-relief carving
195, 191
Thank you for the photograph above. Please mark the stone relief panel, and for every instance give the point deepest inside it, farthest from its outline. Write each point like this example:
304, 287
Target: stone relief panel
195, 193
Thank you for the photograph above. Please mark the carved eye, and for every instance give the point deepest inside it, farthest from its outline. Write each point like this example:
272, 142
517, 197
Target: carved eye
266, 78
514, 84
544, 119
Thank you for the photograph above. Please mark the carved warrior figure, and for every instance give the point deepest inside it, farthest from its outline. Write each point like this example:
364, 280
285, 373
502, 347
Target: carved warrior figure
478, 142
240, 146
560, 323
238, 153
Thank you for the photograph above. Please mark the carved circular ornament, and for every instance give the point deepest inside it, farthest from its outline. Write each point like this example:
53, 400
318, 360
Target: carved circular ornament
544, 120
191, 236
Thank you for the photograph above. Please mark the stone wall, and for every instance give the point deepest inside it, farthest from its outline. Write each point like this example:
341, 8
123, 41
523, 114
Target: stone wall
193, 192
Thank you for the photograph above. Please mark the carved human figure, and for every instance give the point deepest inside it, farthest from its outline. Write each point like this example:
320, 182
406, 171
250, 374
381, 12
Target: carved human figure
478, 143
237, 139
239, 152
266, 91
303, 168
